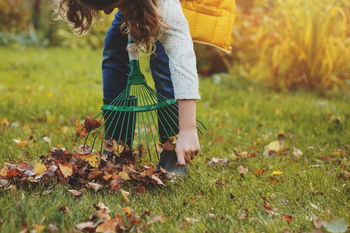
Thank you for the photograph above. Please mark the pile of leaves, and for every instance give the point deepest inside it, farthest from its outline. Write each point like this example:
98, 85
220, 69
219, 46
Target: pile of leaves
101, 220
84, 168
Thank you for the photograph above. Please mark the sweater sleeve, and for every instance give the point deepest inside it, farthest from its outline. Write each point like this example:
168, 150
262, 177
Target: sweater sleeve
178, 45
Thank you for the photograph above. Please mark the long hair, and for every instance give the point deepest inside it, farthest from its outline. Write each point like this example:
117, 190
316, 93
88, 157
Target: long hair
141, 18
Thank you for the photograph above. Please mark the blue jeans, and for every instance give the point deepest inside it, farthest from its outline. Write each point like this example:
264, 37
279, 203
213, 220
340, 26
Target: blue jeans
116, 68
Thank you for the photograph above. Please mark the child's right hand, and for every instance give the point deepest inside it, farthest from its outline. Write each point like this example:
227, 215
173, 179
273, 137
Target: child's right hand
187, 146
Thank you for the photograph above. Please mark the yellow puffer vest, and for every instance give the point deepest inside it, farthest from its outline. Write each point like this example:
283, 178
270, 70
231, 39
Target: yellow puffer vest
210, 21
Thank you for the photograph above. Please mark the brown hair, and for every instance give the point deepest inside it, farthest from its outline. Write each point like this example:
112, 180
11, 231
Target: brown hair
141, 18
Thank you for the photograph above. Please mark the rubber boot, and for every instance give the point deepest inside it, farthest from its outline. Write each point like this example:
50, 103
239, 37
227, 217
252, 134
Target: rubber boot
115, 128
168, 127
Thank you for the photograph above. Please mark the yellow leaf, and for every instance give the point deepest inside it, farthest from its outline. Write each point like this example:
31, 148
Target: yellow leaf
66, 169
159, 147
50, 94
39, 228
276, 173
124, 175
65, 129
39, 169
125, 195
3, 122
275, 145
127, 211
93, 160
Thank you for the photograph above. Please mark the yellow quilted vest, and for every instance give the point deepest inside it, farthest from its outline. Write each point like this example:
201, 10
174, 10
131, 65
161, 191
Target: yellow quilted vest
210, 21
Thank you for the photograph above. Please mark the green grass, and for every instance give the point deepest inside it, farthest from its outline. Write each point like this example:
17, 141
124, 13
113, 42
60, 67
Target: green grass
239, 117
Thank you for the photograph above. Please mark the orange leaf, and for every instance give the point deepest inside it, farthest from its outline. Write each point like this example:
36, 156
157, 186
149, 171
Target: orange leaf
127, 211
81, 131
287, 217
259, 172
267, 206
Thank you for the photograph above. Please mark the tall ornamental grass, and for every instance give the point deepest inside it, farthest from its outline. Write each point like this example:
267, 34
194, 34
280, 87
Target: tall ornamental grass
305, 43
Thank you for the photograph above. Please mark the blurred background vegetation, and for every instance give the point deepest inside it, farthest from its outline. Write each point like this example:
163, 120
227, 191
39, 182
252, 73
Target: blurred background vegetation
287, 44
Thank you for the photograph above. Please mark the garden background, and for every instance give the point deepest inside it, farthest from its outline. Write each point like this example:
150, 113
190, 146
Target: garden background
277, 111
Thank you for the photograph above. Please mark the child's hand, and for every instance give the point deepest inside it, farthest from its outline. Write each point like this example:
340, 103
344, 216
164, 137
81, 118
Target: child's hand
187, 146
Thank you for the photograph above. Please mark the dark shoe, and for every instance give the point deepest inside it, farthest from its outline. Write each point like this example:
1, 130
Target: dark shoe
168, 160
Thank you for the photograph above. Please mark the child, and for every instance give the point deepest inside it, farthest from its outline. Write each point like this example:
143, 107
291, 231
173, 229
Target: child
162, 25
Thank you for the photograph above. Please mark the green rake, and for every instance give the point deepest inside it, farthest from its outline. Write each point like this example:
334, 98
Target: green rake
138, 106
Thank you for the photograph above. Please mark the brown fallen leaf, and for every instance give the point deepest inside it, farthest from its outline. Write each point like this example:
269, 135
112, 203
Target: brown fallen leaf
75, 192
90, 124
24, 166
94, 174
168, 146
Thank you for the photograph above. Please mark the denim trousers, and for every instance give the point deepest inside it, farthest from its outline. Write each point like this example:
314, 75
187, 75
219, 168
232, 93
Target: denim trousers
116, 68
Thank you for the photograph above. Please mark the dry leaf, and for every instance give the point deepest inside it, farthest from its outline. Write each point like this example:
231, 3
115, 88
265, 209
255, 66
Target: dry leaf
90, 124
24, 166
95, 186
93, 161
94, 174
124, 175
87, 226
75, 192
81, 131
158, 218
108, 226
318, 223
66, 169
191, 220
84, 149
259, 172
297, 153
159, 147
157, 180
276, 173
242, 170
127, 211
39, 228
125, 195
39, 169
287, 217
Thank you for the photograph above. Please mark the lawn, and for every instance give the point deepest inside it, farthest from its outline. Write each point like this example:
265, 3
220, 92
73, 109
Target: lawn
43, 92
